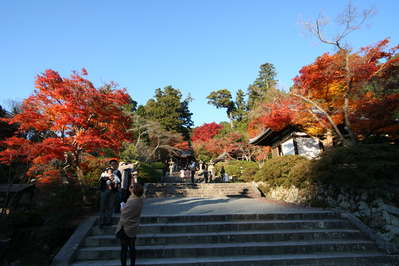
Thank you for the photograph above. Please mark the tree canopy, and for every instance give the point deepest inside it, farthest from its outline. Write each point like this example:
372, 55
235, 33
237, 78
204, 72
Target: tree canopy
65, 116
170, 110
265, 81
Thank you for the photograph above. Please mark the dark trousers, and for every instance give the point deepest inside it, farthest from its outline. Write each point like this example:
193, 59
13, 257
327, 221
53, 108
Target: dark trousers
128, 245
117, 201
192, 176
124, 195
107, 202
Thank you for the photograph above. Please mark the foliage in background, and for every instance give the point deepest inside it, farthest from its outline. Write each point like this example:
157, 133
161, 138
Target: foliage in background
63, 119
232, 142
6, 131
275, 171
205, 131
360, 166
243, 171
92, 167
258, 91
169, 110
337, 89
150, 172
352, 94
151, 142
47, 225
275, 115
223, 99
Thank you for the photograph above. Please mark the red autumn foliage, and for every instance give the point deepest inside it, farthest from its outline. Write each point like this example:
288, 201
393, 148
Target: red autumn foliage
361, 85
66, 116
276, 115
206, 131
184, 145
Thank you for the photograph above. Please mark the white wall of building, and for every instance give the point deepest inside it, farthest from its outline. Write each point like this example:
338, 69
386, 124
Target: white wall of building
308, 147
287, 147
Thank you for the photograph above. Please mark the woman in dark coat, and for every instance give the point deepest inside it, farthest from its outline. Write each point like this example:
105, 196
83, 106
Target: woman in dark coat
127, 227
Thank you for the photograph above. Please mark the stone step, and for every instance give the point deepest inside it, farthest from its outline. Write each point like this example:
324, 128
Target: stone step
241, 217
231, 249
233, 226
303, 215
228, 237
201, 190
325, 259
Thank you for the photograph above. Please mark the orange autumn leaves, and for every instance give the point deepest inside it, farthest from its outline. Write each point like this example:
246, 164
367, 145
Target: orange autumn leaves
367, 79
65, 115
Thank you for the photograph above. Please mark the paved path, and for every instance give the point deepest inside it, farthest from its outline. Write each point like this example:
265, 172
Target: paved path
195, 206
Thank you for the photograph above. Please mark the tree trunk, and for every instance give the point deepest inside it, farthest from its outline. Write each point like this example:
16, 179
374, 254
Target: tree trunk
337, 131
347, 122
230, 115
80, 176
348, 127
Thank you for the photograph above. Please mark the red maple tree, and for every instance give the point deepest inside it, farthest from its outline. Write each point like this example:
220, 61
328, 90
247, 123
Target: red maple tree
64, 118
353, 95
206, 131
347, 88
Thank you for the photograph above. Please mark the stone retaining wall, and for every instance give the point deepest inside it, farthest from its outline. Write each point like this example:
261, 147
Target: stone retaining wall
379, 214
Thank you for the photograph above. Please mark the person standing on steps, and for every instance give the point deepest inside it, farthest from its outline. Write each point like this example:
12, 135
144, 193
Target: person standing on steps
108, 184
222, 173
127, 170
205, 173
164, 170
211, 171
118, 176
128, 224
192, 169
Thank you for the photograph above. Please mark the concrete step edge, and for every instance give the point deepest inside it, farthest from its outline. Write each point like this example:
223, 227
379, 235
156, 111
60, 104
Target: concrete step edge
236, 245
266, 258
264, 232
242, 222
304, 211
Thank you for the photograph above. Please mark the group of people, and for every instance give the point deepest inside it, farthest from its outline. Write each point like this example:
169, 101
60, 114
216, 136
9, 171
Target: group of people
120, 192
207, 171
114, 185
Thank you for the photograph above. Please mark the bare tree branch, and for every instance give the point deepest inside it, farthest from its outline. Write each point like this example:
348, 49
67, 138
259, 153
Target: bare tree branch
350, 20
313, 103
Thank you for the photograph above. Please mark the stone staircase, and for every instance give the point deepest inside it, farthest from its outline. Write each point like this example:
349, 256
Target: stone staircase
307, 237
201, 190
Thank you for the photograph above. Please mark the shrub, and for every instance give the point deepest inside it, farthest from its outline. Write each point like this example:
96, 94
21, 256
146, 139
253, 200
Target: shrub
242, 170
150, 172
276, 170
38, 232
92, 169
299, 174
359, 166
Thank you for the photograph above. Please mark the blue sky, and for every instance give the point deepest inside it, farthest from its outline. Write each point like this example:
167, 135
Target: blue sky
196, 46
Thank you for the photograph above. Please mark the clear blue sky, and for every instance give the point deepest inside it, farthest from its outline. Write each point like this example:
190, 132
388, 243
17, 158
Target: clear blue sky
196, 46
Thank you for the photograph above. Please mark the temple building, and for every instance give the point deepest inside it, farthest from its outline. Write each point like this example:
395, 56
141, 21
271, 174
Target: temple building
289, 141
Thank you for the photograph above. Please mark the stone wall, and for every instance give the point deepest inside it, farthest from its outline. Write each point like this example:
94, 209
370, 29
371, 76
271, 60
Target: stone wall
373, 208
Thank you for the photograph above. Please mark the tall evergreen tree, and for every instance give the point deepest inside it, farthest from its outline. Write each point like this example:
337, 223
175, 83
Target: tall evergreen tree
264, 82
241, 108
223, 99
170, 110
236, 110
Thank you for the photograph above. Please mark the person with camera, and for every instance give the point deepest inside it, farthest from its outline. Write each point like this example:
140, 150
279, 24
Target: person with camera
128, 224
108, 189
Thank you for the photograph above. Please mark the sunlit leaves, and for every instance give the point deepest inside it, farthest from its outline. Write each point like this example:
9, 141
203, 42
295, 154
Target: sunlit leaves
66, 115
206, 131
362, 85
